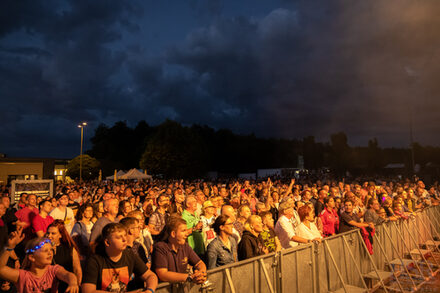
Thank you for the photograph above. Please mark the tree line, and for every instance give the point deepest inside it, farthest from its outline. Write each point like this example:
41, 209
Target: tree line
178, 151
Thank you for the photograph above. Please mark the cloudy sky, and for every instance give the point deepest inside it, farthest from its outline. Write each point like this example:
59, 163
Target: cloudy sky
275, 68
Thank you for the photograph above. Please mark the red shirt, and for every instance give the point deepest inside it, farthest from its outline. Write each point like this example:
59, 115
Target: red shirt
40, 224
26, 214
330, 222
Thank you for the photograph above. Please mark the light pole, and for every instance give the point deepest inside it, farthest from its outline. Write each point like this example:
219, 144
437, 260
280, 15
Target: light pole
414, 77
82, 125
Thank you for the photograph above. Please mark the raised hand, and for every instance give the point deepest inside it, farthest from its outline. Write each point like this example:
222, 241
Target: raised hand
15, 238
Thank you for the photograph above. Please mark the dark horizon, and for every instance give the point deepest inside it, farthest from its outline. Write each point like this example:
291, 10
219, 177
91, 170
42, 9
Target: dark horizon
88, 144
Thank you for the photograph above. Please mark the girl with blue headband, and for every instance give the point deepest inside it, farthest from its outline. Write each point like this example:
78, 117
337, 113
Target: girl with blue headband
37, 275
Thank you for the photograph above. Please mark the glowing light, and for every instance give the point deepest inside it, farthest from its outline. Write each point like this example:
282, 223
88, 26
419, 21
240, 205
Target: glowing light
35, 248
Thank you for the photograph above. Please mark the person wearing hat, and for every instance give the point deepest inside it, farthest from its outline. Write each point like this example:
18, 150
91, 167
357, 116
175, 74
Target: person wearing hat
64, 213
207, 219
284, 228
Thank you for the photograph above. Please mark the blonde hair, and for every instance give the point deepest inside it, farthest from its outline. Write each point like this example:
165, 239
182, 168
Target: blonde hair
135, 213
30, 245
250, 221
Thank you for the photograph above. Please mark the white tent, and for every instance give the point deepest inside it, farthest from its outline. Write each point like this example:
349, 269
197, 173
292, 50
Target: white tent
118, 175
135, 174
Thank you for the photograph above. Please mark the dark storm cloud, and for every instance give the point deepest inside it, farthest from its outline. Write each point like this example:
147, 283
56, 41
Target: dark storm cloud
317, 68
299, 68
56, 67
207, 8
255, 75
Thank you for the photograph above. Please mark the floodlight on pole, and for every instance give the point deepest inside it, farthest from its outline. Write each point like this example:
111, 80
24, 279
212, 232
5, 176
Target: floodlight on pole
82, 125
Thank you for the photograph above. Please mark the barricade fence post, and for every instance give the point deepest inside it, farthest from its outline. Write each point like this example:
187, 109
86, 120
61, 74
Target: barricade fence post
416, 244
388, 261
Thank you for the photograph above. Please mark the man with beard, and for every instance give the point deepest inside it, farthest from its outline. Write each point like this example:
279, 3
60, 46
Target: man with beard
319, 205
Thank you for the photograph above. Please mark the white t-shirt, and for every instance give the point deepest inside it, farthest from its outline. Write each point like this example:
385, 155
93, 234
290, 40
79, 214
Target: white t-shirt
208, 232
310, 234
285, 231
68, 218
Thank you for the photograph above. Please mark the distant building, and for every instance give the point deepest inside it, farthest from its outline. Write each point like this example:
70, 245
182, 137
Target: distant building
32, 169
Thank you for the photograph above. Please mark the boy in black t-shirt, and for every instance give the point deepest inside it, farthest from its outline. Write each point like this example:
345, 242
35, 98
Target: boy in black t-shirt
113, 266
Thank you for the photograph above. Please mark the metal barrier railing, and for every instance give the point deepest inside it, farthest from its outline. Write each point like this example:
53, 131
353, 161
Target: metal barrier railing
340, 262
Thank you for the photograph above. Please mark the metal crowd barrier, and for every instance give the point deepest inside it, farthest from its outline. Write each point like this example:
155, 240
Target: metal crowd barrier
340, 263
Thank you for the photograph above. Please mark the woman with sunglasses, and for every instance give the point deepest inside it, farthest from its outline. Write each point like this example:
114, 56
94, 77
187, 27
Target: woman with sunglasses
223, 249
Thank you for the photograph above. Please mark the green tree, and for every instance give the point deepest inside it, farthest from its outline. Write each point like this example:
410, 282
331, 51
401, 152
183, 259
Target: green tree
90, 168
175, 152
341, 152
313, 153
374, 156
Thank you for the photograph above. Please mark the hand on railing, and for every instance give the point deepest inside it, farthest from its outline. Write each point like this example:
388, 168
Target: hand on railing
316, 240
199, 277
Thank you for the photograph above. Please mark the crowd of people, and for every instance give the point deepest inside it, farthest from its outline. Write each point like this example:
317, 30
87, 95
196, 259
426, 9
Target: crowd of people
127, 236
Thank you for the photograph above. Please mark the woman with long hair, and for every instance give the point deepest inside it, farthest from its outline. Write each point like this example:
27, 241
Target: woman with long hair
82, 229
124, 208
65, 250
98, 210
177, 204
329, 217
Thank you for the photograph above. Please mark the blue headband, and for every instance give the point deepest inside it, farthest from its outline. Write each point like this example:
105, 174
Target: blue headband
37, 247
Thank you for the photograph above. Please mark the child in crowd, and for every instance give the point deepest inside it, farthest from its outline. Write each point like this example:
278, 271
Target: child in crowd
38, 274
112, 267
